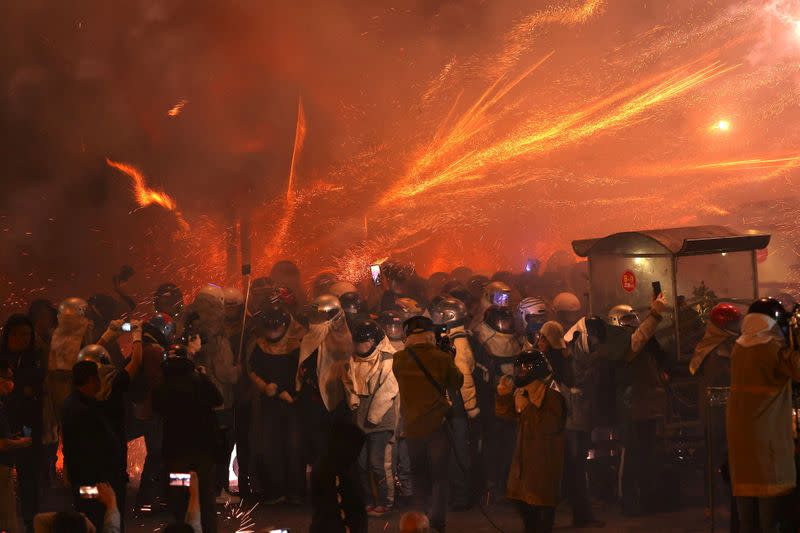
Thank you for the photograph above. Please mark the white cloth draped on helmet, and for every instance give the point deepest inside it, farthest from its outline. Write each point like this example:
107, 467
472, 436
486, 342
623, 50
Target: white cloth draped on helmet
363, 369
757, 329
334, 346
498, 344
68, 338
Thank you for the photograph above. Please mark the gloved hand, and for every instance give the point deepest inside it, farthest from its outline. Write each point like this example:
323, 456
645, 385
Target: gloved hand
506, 385
112, 333
270, 389
473, 413
659, 305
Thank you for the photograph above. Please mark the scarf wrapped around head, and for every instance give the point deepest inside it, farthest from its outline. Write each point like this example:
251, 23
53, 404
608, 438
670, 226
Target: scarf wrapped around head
334, 346
288, 343
68, 338
757, 329
532, 393
713, 337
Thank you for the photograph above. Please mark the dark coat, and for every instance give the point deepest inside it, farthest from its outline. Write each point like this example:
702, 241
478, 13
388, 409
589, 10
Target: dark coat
91, 448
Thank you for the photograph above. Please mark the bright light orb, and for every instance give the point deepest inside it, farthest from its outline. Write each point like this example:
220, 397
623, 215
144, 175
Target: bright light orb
722, 125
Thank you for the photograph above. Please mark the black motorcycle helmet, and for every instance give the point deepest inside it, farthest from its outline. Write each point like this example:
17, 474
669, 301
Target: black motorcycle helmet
500, 319
275, 321
367, 334
529, 366
352, 303
392, 324
770, 307
417, 324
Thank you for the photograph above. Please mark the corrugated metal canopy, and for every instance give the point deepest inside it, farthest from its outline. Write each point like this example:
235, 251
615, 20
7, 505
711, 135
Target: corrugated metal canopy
675, 241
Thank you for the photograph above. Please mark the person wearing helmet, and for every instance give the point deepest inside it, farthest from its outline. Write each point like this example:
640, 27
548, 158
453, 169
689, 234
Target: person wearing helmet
408, 307
567, 308
435, 284
324, 352
234, 306
217, 357
531, 316
761, 447
452, 314
286, 274
276, 444
711, 364
644, 408
497, 346
424, 375
495, 293
371, 391
168, 299
354, 308
529, 399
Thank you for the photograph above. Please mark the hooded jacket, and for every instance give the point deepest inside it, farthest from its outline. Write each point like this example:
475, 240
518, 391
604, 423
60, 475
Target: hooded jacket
760, 444
538, 462
333, 346
714, 338
371, 389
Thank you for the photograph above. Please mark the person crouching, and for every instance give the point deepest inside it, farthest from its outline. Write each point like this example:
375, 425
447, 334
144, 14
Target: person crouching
531, 399
371, 394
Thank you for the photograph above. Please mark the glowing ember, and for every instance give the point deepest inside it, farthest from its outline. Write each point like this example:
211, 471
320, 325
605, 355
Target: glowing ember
177, 108
722, 125
145, 195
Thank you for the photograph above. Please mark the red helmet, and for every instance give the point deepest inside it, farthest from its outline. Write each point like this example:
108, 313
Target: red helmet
724, 314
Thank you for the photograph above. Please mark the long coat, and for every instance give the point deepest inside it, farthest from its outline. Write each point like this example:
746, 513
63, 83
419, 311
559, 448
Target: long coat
759, 419
536, 470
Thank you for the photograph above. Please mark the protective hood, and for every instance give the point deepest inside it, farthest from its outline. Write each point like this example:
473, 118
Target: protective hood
363, 369
532, 393
711, 340
68, 338
333, 346
288, 343
757, 329
497, 344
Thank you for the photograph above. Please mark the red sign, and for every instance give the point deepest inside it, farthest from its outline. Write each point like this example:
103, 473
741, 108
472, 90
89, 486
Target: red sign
628, 281
762, 255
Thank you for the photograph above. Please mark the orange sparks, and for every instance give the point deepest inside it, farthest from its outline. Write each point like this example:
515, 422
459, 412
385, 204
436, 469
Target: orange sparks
177, 108
748, 164
299, 140
144, 195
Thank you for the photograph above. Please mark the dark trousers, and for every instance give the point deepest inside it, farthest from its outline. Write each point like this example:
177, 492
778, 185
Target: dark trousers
758, 515
178, 497
430, 456
29, 462
372, 466
152, 483
536, 518
279, 461
225, 423
499, 440
461, 482
317, 423
96, 511
641, 469
241, 422
575, 475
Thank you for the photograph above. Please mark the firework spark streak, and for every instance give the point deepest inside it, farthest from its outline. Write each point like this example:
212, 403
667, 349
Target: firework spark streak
177, 108
147, 196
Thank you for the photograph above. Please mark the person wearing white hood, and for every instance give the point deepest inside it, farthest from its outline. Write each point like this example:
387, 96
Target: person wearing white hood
371, 390
495, 359
324, 352
760, 444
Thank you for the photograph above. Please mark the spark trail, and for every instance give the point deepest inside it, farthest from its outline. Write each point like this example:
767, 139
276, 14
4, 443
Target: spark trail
145, 195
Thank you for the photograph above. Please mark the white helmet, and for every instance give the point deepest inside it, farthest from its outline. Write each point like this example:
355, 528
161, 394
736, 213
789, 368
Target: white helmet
623, 315
214, 292
497, 293
532, 308
73, 306
566, 301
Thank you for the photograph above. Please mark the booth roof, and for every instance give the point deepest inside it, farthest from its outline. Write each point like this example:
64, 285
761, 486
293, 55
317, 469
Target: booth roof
677, 241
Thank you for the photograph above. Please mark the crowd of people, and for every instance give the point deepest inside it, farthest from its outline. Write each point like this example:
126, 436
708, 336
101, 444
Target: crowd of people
402, 392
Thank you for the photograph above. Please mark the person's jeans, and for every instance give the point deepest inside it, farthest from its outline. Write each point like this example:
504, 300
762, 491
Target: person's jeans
430, 457
499, 440
575, 475
758, 515
402, 466
373, 473
536, 518
460, 463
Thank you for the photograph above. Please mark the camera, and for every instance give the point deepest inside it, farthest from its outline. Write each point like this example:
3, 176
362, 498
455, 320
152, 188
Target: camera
126, 327
180, 479
88, 492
